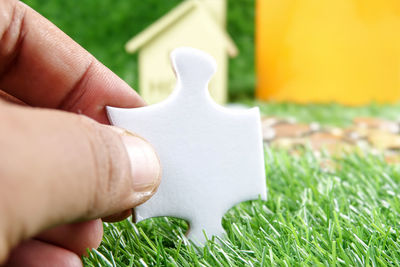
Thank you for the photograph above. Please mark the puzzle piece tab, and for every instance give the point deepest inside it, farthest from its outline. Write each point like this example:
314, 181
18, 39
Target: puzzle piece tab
212, 157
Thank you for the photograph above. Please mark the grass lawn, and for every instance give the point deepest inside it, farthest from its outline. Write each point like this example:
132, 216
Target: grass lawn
349, 216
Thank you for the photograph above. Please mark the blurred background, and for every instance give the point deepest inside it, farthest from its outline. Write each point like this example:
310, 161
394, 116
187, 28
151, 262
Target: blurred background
344, 51
104, 27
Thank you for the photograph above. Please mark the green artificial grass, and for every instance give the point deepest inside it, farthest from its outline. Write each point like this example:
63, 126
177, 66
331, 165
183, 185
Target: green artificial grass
346, 217
314, 216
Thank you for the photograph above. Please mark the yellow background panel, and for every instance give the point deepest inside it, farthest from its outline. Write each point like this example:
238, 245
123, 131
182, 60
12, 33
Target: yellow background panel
345, 51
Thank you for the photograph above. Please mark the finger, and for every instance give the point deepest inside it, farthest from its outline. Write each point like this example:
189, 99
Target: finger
76, 237
118, 216
33, 253
58, 167
42, 66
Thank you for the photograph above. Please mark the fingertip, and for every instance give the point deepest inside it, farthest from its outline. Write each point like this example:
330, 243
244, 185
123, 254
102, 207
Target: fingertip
118, 216
143, 164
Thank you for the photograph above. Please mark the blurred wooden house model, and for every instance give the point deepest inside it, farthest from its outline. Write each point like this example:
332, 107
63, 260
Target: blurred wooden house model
196, 23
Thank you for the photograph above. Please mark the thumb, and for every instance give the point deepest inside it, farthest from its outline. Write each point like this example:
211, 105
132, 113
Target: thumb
57, 167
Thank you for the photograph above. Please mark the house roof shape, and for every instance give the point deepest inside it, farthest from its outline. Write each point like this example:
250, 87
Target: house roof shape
170, 19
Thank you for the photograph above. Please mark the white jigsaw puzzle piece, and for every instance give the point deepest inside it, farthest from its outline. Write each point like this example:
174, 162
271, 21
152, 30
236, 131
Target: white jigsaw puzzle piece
212, 157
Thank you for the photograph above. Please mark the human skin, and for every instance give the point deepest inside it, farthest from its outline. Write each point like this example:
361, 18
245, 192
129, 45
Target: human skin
61, 166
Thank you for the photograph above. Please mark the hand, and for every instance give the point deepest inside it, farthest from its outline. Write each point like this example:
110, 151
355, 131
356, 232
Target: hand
60, 171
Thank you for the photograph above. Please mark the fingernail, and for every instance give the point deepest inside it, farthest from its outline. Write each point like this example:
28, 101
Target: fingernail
145, 164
